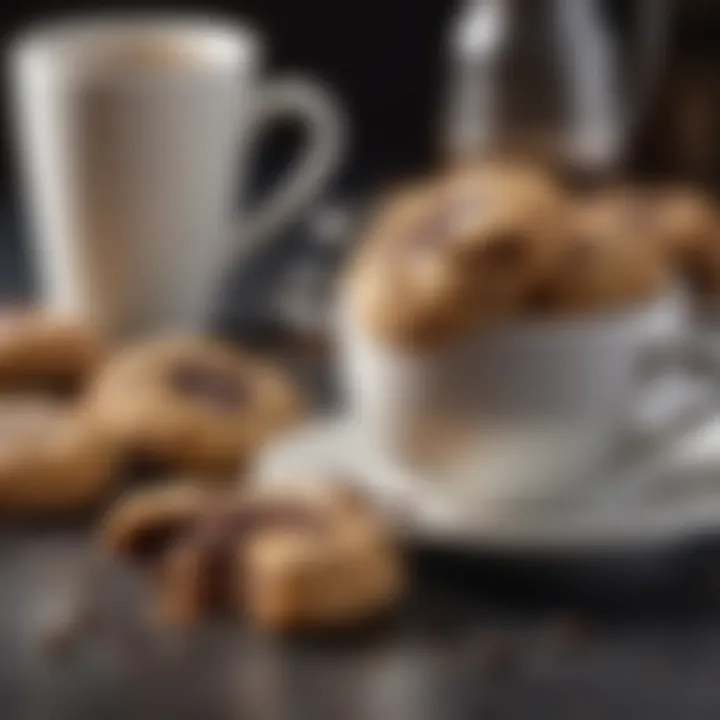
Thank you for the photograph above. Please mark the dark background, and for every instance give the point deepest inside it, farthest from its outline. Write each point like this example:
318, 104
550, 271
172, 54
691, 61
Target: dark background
385, 60
381, 57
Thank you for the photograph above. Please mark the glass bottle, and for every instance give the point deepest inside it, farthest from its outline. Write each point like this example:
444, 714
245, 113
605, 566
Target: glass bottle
563, 82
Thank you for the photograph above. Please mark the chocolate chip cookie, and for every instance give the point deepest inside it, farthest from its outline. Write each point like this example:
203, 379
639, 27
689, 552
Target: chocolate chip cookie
286, 559
680, 223
602, 269
53, 458
684, 221
455, 254
40, 350
191, 403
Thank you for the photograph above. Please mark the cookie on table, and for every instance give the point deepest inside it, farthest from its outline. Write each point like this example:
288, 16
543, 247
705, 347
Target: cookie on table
456, 254
39, 350
191, 403
300, 559
602, 269
341, 569
53, 459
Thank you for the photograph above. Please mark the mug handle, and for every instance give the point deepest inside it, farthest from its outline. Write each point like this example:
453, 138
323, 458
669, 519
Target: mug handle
324, 124
696, 356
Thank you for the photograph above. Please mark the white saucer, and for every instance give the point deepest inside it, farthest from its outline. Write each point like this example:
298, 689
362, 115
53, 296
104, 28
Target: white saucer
669, 493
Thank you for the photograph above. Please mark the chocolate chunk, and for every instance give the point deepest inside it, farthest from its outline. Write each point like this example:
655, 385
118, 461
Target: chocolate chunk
217, 534
218, 388
203, 552
505, 250
154, 541
140, 463
542, 298
218, 575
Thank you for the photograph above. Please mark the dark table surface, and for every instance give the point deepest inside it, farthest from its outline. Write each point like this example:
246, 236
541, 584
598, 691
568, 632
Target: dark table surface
478, 637
627, 635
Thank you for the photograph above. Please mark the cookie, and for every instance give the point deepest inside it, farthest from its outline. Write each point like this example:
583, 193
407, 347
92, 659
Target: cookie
684, 223
702, 273
39, 350
690, 227
601, 269
143, 523
53, 459
191, 403
678, 222
341, 570
286, 559
455, 255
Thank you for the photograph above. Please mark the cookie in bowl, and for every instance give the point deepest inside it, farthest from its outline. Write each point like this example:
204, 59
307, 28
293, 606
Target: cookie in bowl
679, 222
454, 255
694, 218
287, 559
684, 222
191, 403
601, 269
54, 460
42, 350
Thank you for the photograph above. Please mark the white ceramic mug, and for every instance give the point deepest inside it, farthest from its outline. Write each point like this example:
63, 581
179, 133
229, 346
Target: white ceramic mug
527, 407
135, 138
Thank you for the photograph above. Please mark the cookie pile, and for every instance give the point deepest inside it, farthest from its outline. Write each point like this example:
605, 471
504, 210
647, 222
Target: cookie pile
76, 421
493, 244
445, 256
73, 417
